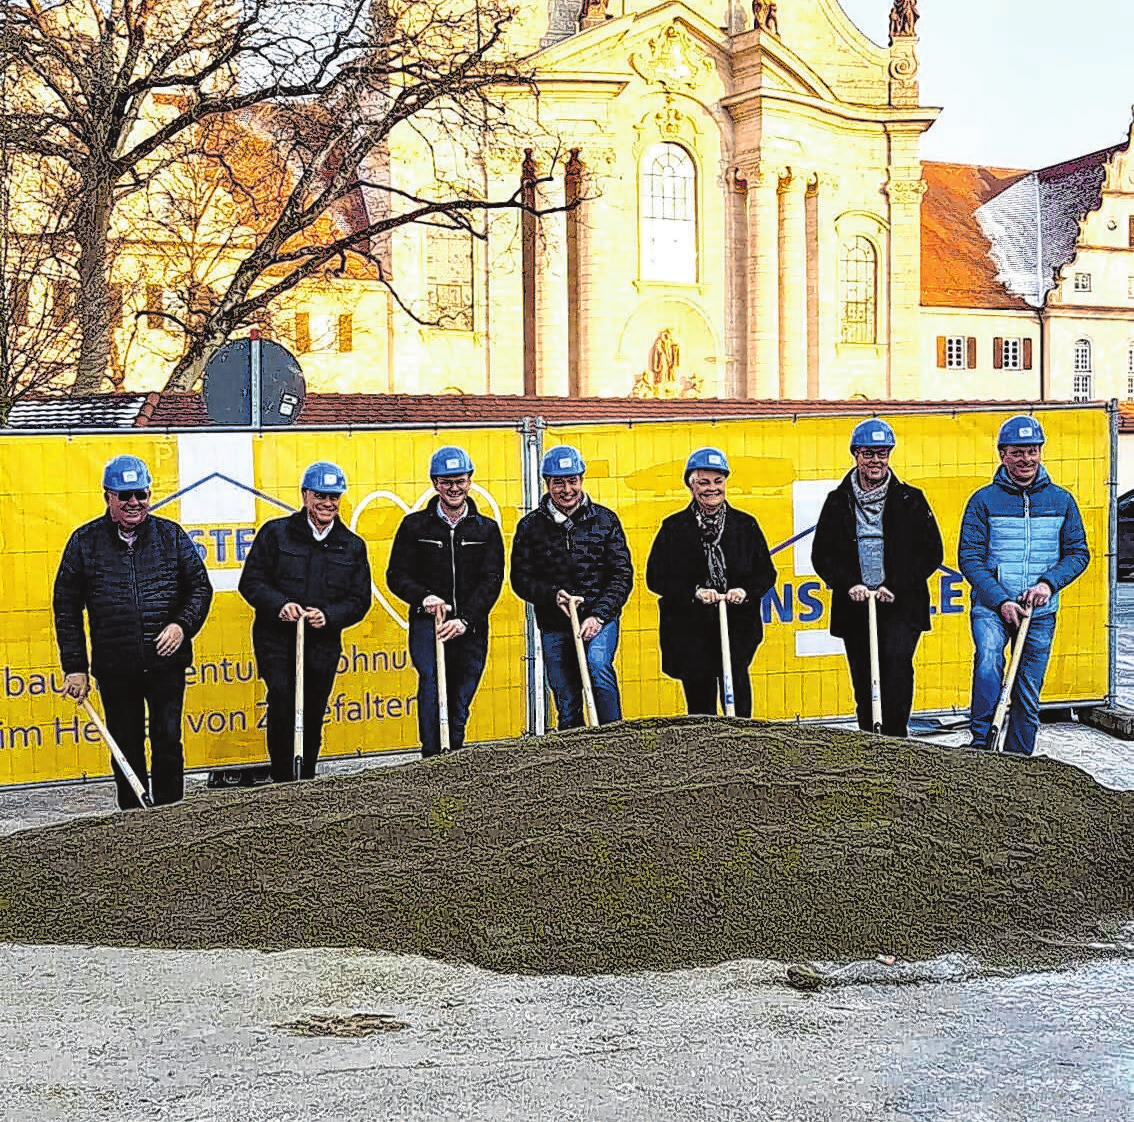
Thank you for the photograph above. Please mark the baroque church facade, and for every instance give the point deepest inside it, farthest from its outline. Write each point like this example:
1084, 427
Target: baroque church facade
754, 220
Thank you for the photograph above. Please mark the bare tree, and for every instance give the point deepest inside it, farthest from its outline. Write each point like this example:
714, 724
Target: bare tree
37, 287
116, 92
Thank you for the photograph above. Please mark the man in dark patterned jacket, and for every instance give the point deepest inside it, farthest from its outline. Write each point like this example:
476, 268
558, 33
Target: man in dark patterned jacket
569, 546
146, 594
447, 564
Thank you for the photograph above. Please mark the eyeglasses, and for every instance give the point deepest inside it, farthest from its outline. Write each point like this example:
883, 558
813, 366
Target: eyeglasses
452, 482
873, 453
326, 496
126, 496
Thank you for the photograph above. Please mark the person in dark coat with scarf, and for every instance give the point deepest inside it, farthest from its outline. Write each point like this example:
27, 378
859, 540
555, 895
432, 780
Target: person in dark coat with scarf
876, 533
709, 552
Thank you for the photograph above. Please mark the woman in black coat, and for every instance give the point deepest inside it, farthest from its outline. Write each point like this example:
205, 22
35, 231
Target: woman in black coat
706, 553
876, 533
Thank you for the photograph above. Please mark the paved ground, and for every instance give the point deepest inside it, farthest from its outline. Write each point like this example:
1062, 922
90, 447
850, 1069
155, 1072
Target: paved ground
98, 1033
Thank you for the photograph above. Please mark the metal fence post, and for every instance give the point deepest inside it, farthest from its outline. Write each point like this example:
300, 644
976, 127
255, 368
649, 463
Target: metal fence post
532, 430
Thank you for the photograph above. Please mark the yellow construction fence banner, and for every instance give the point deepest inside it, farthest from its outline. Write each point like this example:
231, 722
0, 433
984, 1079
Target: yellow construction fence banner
222, 486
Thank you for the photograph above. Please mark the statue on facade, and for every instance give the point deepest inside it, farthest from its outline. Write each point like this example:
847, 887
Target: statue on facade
665, 355
903, 19
593, 13
764, 16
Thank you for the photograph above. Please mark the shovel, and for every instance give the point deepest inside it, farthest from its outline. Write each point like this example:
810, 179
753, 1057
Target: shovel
297, 748
119, 756
590, 712
726, 663
875, 671
999, 727
442, 685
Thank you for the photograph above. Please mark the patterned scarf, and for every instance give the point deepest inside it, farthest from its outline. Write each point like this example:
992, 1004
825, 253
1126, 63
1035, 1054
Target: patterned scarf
711, 525
868, 507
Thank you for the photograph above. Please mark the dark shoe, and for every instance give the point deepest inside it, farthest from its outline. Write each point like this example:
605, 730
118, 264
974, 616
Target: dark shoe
978, 746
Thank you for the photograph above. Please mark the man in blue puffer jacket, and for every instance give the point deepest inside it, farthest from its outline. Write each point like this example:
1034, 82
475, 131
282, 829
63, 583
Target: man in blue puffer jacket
1022, 541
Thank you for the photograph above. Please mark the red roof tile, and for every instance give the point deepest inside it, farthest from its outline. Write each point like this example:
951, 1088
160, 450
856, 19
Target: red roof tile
956, 269
332, 410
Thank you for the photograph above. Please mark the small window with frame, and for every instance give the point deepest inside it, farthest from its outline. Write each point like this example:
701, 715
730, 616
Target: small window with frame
1082, 282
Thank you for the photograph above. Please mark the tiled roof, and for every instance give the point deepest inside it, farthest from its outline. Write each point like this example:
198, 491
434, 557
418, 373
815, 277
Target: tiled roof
956, 269
97, 411
447, 410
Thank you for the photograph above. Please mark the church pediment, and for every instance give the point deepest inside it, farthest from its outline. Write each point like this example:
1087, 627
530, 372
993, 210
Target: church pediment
670, 45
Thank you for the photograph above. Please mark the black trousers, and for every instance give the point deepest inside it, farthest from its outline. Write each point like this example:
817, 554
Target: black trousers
126, 701
702, 691
897, 642
279, 677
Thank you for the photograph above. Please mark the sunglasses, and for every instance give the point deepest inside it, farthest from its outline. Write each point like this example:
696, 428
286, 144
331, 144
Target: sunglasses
126, 496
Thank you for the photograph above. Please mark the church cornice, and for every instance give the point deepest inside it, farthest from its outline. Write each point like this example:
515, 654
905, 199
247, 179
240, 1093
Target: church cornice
751, 102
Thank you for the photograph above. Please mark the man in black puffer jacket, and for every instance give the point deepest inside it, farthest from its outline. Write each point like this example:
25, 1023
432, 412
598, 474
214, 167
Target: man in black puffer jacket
571, 547
306, 565
146, 594
447, 563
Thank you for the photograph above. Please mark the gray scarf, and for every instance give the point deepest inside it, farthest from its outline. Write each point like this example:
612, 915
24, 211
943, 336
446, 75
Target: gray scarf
711, 526
868, 506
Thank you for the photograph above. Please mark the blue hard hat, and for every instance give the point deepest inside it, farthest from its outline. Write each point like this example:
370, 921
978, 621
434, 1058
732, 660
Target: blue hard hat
325, 477
450, 460
872, 434
1020, 430
126, 473
563, 460
708, 459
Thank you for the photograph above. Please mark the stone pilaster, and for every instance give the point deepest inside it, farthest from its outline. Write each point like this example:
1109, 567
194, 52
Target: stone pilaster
763, 282
551, 298
793, 286
904, 352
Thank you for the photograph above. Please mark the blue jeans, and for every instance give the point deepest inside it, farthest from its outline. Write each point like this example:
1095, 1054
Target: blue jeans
562, 666
990, 636
465, 657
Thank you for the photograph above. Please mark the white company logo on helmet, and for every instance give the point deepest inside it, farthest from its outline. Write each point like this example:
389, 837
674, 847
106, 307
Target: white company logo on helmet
129, 477
330, 479
1025, 430
714, 458
877, 435
452, 462
564, 461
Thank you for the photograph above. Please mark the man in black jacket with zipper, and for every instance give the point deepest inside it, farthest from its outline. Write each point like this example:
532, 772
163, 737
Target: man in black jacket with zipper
146, 594
447, 564
877, 534
571, 547
306, 565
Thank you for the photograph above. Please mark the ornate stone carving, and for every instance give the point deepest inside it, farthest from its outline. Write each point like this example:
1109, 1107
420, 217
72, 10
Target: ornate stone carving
906, 191
903, 19
670, 124
674, 61
903, 72
764, 16
661, 378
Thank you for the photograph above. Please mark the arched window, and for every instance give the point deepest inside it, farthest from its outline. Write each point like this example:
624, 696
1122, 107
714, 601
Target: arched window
858, 284
669, 215
1082, 356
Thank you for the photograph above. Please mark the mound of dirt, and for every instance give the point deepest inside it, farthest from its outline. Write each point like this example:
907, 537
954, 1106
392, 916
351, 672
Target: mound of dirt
646, 845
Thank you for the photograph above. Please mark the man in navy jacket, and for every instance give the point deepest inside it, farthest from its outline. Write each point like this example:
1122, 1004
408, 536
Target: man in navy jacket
1022, 541
306, 565
447, 563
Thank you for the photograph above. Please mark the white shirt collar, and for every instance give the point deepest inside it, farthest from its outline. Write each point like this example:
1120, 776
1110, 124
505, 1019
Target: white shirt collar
321, 534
